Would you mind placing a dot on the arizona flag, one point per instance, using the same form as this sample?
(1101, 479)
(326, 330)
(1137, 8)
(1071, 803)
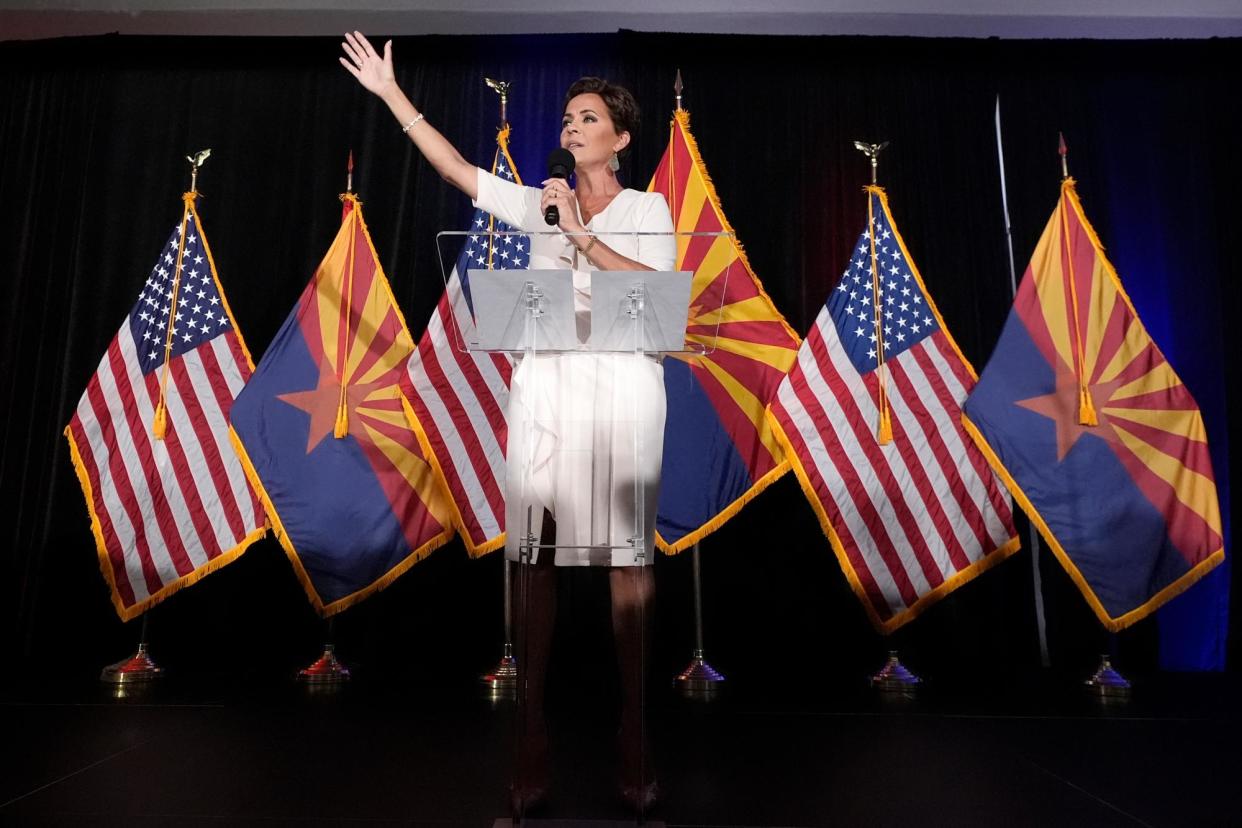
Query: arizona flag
(871, 414)
(323, 435)
(719, 449)
(1094, 433)
(458, 397)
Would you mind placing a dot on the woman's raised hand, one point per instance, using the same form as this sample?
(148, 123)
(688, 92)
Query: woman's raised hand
(372, 71)
(376, 75)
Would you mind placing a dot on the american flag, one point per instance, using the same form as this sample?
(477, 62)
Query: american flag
(459, 398)
(912, 518)
(166, 512)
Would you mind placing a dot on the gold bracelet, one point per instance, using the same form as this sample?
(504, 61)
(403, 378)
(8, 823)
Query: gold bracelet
(406, 129)
(587, 249)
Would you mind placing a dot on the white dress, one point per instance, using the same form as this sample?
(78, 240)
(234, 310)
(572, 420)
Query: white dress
(574, 418)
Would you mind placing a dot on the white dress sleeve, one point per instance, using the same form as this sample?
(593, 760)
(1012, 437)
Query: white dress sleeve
(656, 252)
(512, 203)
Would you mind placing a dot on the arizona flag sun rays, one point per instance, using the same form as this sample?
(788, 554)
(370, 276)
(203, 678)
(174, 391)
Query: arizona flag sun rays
(324, 436)
(719, 449)
(1094, 433)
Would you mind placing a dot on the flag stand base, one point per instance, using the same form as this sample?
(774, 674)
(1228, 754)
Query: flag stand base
(700, 681)
(137, 668)
(894, 678)
(501, 683)
(325, 670)
(1106, 683)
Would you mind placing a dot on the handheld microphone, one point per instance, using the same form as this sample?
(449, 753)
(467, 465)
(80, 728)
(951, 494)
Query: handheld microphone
(560, 165)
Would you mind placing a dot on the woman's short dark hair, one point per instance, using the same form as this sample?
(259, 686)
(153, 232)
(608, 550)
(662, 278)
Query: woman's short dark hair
(622, 107)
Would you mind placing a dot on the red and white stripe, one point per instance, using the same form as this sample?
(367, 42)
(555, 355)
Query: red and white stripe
(459, 398)
(165, 508)
(910, 514)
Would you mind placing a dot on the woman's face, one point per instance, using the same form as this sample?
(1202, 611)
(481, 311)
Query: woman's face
(588, 132)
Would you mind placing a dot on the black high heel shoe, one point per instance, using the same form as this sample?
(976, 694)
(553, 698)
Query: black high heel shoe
(529, 790)
(525, 799)
(636, 783)
(640, 798)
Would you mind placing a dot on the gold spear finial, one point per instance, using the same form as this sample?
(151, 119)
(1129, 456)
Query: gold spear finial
(196, 160)
(1063, 151)
(677, 87)
(349, 173)
(502, 89)
(872, 151)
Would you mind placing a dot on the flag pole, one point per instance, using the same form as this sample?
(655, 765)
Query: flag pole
(1037, 585)
(159, 425)
(140, 667)
(340, 429)
(1106, 684)
(1087, 415)
(884, 424)
(129, 674)
(500, 683)
(673, 206)
(699, 681)
(893, 678)
(327, 673)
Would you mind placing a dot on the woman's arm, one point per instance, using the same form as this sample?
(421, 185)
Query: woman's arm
(376, 75)
(603, 256)
(557, 191)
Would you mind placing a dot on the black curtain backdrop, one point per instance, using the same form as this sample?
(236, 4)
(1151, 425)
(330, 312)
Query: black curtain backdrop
(93, 135)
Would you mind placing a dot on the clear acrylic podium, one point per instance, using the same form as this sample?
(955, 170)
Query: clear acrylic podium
(587, 404)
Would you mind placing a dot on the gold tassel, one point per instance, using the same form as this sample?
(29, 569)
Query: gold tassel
(342, 421)
(884, 435)
(160, 426)
(1086, 409)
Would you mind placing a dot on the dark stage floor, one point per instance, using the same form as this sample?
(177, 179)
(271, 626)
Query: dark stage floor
(384, 753)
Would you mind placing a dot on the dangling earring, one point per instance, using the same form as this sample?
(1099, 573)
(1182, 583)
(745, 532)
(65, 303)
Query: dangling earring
(614, 163)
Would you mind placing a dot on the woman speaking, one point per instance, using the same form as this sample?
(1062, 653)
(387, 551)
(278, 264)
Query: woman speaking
(587, 408)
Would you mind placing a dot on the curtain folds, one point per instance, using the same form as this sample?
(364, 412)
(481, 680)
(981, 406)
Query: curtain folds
(93, 138)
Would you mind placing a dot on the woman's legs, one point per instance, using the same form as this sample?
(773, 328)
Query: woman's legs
(633, 599)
